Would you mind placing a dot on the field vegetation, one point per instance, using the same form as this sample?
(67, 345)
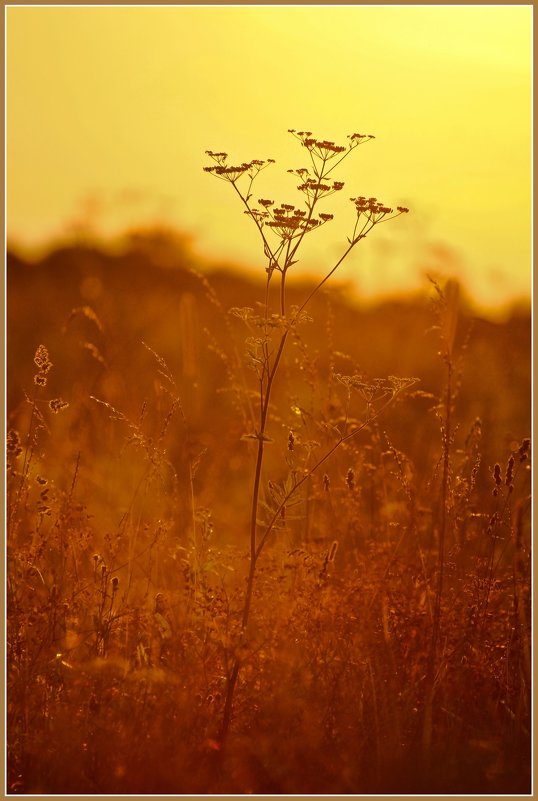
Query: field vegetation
(261, 538)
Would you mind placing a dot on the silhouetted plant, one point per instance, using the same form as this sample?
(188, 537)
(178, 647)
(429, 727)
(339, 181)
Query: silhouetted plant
(282, 229)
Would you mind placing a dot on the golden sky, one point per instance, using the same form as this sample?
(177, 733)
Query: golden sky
(110, 111)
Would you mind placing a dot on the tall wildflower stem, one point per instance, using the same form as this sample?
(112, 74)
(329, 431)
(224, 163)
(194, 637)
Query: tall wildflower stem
(254, 553)
(259, 462)
(290, 224)
(448, 310)
(432, 667)
(329, 274)
(447, 434)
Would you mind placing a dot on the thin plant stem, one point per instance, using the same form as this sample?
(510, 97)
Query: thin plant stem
(291, 238)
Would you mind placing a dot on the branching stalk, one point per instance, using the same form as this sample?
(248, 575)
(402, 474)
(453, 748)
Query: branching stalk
(290, 225)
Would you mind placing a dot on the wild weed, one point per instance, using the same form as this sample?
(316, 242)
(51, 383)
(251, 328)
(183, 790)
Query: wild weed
(282, 230)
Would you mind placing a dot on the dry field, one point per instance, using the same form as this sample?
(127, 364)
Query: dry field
(128, 550)
(386, 645)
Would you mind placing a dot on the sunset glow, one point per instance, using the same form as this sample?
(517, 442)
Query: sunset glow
(110, 110)
(268, 401)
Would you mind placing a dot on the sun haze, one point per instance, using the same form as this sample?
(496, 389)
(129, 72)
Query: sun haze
(110, 110)
(268, 470)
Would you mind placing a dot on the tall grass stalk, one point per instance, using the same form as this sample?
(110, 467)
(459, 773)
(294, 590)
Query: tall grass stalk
(447, 310)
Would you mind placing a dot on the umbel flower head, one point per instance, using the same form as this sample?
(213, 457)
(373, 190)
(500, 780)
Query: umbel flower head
(313, 188)
(232, 173)
(288, 222)
(372, 211)
(325, 150)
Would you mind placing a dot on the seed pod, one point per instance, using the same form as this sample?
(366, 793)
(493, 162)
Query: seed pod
(524, 450)
(332, 551)
(509, 471)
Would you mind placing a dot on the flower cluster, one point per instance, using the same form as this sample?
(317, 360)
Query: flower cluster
(324, 149)
(357, 138)
(289, 222)
(13, 443)
(41, 360)
(297, 317)
(57, 404)
(378, 388)
(316, 189)
(286, 220)
(373, 210)
(232, 173)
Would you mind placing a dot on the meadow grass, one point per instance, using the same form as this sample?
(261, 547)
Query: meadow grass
(269, 565)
